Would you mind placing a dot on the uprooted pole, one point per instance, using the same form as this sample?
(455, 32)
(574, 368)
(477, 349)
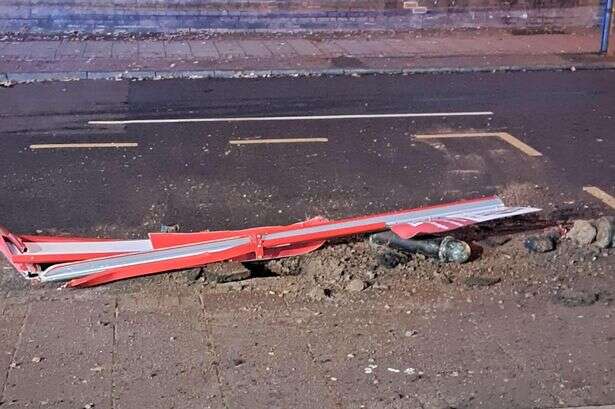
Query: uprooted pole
(446, 249)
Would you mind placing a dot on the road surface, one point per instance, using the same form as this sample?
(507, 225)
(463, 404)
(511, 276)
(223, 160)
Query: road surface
(191, 172)
(538, 334)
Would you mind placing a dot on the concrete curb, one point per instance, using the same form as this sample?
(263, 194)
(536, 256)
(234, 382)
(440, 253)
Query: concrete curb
(21, 77)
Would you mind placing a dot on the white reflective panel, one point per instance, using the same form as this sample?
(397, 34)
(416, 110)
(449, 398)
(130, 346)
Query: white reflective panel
(82, 268)
(411, 216)
(81, 247)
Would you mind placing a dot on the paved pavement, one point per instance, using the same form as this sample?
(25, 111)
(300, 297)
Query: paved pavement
(236, 55)
(172, 345)
(164, 342)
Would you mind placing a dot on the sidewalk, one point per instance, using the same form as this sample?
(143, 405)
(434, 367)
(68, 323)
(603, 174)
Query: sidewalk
(542, 337)
(231, 55)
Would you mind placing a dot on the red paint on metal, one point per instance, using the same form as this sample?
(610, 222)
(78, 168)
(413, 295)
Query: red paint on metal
(347, 231)
(34, 258)
(163, 240)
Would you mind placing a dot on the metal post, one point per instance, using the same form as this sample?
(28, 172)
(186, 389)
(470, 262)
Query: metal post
(606, 26)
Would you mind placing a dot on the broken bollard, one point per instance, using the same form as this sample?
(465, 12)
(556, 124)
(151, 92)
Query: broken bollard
(447, 249)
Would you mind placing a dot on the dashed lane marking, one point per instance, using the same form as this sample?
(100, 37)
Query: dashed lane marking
(290, 118)
(601, 195)
(280, 140)
(84, 145)
(505, 136)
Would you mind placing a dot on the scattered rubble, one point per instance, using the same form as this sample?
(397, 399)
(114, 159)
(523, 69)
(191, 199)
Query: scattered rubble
(390, 259)
(284, 266)
(226, 272)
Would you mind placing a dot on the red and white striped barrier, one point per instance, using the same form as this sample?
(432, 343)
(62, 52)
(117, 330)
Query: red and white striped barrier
(89, 262)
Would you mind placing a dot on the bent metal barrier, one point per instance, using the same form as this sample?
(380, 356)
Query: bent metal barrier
(87, 261)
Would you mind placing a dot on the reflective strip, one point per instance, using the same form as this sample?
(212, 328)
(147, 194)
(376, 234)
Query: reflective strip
(80, 269)
(411, 216)
(83, 247)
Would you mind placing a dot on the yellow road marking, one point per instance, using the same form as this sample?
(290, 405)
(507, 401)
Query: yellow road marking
(281, 140)
(505, 136)
(600, 194)
(84, 145)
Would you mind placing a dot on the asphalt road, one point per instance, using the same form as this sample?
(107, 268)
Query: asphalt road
(189, 172)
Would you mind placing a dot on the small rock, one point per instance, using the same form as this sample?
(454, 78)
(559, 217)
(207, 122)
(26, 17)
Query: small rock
(356, 285)
(582, 233)
(413, 374)
(539, 244)
(89, 406)
(388, 259)
(572, 298)
(481, 281)
(174, 228)
(380, 286)
(194, 274)
(371, 275)
(319, 293)
(605, 230)
(411, 333)
(37, 359)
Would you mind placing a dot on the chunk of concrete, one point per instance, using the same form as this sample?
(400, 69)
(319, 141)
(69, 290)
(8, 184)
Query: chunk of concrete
(356, 285)
(582, 233)
(605, 231)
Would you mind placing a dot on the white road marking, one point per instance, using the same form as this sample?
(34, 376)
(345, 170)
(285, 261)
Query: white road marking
(280, 140)
(505, 136)
(600, 194)
(288, 118)
(84, 145)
